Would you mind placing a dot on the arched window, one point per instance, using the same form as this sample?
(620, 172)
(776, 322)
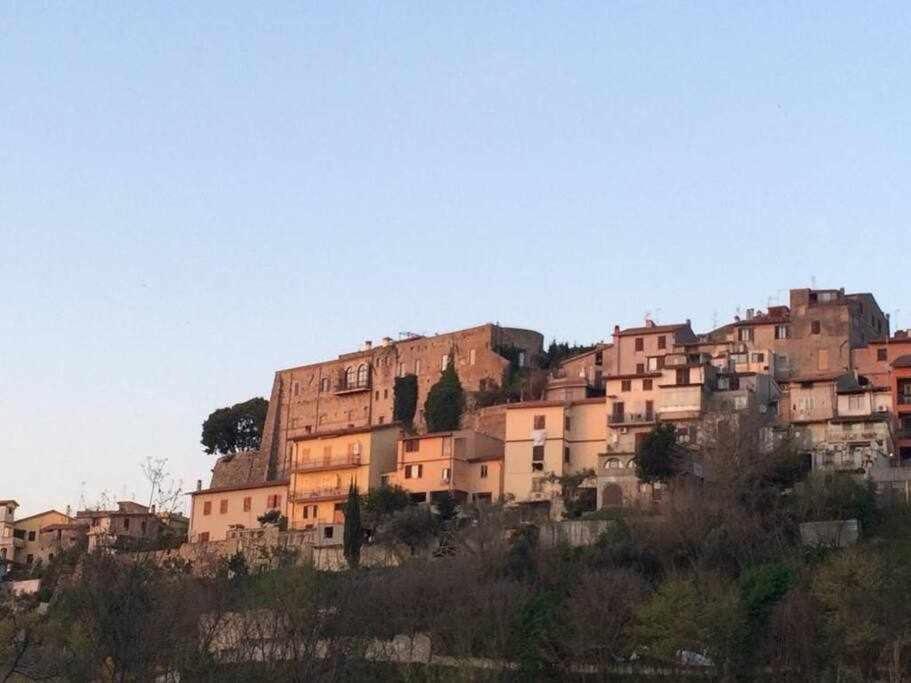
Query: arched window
(324, 384)
(612, 464)
(631, 463)
(362, 375)
(351, 377)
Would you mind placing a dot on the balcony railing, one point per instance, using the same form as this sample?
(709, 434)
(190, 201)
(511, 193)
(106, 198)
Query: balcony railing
(306, 464)
(344, 387)
(630, 418)
(326, 493)
(904, 399)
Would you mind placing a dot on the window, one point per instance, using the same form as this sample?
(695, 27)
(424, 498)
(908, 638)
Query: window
(385, 393)
(882, 355)
(376, 395)
(522, 359)
(324, 384)
(31, 535)
(126, 523)
(599, 357)
(223, 506)
(567, 423)
(206, 510)
(782, 332)
(537, 453)
(328, 532)
(649, 410)
(640, 344)
(29, 558)
(483, 471)
(143, 526)
(822, 359)
(540, 421)
(640, 368)
(612, 464)
(362, 374)
(815, 327)
(444, 362)
(683, 376)
(274, 501)
(647, 385)
(566, 454)
(617, 411)
(758, 358)
(447, 474)
(662, 342)
(472, 356)
(248, 503)
(350, 376)
(412, 445)
(855, 402)
(745, 334)
(417, 367)
(626, 385)
(414, 471)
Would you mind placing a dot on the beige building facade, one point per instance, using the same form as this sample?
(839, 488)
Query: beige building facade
(324, 466)
(465, 464)
(215, 512)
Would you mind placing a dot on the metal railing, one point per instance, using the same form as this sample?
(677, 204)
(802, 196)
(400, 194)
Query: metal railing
(629, 418)
(316, 494)
(305, 464)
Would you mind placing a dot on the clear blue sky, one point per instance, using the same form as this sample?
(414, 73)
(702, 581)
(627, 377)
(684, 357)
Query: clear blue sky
(193, 195)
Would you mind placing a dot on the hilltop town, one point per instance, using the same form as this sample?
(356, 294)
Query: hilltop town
(825, 372)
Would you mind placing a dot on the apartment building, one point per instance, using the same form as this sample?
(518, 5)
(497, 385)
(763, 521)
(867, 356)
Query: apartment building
(61, 537)
(324, 465)
(131, 525)
(886, 363)
(814, 335)
(10, 542)
(465, 464)
(547, 439)
(214, 512)
(29, 529)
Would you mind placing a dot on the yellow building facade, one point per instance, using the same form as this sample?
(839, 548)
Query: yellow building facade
(323, 466)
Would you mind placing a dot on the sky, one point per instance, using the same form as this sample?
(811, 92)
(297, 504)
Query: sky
(194, 195)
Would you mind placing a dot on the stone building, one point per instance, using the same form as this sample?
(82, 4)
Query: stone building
(356, 389)
(814, 336)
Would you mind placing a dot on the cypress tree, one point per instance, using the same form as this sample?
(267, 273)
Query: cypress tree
(445, 402)
(354, 532)
(405, 399)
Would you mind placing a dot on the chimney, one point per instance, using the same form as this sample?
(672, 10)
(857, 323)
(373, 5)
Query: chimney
(387, 341)
(750, 314)
(616, 330)
(736, 318)
(649, 322)
(689, 323)
(368, 345)
(199, 484)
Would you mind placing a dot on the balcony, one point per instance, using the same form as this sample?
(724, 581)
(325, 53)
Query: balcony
(621, 419)
(315, 495)
(327, 463)
(344, 387)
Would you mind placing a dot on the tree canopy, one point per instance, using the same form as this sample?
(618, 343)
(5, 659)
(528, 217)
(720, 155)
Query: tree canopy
(445, 402)
(235, 429)
(405, 398)
(354, 531)
(656, 458)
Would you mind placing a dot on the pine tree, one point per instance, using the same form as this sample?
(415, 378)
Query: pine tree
(354, 532)
(445, 402)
